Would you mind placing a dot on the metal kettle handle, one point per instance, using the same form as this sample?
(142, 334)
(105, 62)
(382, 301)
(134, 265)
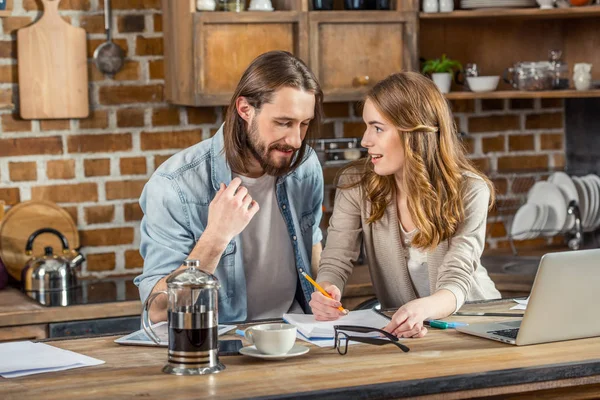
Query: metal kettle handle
(63, 239)
(146, 323)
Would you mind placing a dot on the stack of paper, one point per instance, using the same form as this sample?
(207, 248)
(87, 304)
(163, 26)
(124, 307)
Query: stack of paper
(28, 358)
(312, 329)
(521, 304)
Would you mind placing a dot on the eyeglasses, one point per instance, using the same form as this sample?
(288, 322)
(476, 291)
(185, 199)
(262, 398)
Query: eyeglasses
(342, 338)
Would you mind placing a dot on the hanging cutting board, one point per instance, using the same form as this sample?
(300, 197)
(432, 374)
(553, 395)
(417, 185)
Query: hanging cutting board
(24, 219)
(53, 74)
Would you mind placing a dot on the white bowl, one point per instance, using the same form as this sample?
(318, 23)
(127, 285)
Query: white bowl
(483, 83)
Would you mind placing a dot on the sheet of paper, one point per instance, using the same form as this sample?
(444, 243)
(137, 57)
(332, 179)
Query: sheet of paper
(312, 328)
(521, 304)
(27, 358)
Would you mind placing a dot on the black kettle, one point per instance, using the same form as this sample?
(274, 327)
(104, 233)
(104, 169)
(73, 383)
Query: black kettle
(51, 278)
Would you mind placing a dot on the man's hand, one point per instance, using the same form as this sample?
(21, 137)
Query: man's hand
(230, 211)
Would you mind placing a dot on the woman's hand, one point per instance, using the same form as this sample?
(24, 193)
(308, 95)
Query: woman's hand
(407, 322)
(323, 308)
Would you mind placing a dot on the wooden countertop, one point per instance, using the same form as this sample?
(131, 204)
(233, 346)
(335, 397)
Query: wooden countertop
(16, 309)
(444, 361)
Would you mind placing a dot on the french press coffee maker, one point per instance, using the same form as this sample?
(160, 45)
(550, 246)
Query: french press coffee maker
(192, 321)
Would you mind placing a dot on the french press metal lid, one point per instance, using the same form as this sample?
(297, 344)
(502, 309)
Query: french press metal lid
(193, 321)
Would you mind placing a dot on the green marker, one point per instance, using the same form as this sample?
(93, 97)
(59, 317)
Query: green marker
(443, 325)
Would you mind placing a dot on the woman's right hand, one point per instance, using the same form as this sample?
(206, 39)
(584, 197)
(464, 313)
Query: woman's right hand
(323, 308)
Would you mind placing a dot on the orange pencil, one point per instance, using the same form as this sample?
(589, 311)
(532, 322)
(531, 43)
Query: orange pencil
(320, 289)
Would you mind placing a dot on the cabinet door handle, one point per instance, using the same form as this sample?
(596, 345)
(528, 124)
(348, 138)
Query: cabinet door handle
(362, 80)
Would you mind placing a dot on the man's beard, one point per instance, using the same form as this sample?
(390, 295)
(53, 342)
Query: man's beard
(262, 153)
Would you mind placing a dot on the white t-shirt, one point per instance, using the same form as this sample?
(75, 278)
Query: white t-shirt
(416, 262)
(271, 275)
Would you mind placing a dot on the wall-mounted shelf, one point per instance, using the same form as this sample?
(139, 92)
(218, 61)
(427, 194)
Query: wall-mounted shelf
(521, 13)
(519, 94)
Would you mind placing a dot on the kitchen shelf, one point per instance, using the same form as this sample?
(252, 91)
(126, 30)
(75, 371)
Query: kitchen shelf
(523, 13)
(518, 94)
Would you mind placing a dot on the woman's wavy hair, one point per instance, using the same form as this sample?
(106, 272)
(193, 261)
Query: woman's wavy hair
(268, 73)
(434, 159)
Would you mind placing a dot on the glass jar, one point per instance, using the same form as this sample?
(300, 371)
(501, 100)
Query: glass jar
(232, 5)
(529, 76)
(559, 70)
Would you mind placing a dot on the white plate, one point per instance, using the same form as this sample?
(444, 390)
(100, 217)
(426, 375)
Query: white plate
(567, 187)
(584, 200)
(596, 179)
(548, 193)
(592, 205)
(524, 221)
(542, 221)
(296, 351)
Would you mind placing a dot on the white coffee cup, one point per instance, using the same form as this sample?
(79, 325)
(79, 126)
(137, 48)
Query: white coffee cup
(272, 339)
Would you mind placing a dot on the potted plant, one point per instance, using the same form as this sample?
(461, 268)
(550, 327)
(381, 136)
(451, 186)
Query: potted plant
(441, 71)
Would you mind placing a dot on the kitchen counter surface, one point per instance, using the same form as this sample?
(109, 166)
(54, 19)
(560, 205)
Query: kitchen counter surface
(443, 364)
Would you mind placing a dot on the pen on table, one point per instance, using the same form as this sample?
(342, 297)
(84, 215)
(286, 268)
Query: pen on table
(443, 324)
(320, 289)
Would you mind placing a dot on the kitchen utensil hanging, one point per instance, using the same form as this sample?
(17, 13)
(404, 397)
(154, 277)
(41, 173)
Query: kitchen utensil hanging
(109, 57)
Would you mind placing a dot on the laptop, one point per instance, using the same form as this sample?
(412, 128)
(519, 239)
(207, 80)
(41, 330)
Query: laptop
(563, 305)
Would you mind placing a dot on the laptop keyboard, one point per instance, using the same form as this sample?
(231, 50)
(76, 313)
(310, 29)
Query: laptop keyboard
(509, 333)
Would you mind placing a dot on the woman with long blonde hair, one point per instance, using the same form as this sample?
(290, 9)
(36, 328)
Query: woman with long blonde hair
(417, 206)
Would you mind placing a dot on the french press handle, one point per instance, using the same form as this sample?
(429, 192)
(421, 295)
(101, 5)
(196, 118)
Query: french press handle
(146, 323)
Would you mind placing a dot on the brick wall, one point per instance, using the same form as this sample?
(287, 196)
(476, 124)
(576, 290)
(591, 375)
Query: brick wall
(96, 167)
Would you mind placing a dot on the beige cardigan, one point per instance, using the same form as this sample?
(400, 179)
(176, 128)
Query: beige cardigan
(453, 265)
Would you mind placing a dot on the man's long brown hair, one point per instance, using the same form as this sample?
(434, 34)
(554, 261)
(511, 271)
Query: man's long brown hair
(434, 159)
(268, 73)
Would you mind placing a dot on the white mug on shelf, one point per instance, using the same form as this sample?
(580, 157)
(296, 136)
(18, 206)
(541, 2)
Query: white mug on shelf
(446, 5)
(206, 5)
(582, 76)
(430, 6)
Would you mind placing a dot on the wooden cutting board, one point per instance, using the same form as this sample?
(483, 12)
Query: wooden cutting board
(53, 74)
(24, 219)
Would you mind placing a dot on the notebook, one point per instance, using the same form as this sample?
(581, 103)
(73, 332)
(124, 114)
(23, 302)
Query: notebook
(322, 330)
(161, 329)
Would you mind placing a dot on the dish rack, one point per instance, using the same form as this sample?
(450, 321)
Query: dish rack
(520, 182)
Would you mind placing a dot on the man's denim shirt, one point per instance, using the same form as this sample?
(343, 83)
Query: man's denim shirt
(175, 204)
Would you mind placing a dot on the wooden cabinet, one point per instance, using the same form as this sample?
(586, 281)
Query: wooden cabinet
(350, 51)
(206, 52)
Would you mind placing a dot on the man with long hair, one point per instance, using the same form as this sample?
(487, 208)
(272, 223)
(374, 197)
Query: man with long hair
(245, 203)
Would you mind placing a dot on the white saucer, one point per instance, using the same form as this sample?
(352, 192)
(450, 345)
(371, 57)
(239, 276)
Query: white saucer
(295, 351)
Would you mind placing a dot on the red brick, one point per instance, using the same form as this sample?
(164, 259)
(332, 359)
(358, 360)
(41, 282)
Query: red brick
(130, 117)
(10, 196)
(482, 164)
(124, 189)
(13, 123)
(55, 124)
(99, 143)
(496, 229)
(8, 49)
(29, 146)
(506, 206)
(494, 123)
(133, 4)
(157, 69)
(521, 142)
(96, 167)
(559, 160)
(522, 184)
(72, 210)
(131, 23)
(462, 106)
(552, 103)
(11, 24)
(106, 237)
(6, 96)
(492, 104)
(354, 129)
(117, 95)
(201, 115)
(149, 46)
(82, 5)
(98, 119)
(521, 104)
(500, 185)
(92, 23)
(22, 171)
(357, 108)
(129, 72)
(158, 25)
(99, 214)
(165, 116)
(468, 144)
(92, 45)
(335, 110)
(76, 193)
(170, 140)
(60, 169)
(133, 259)
(133, 166)
(132, 212)
(527, 243)
(492, 144)
(101, 262)
(159, 159)
(327, 131)
(533, 162)
(551, 141)
(544, 121)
